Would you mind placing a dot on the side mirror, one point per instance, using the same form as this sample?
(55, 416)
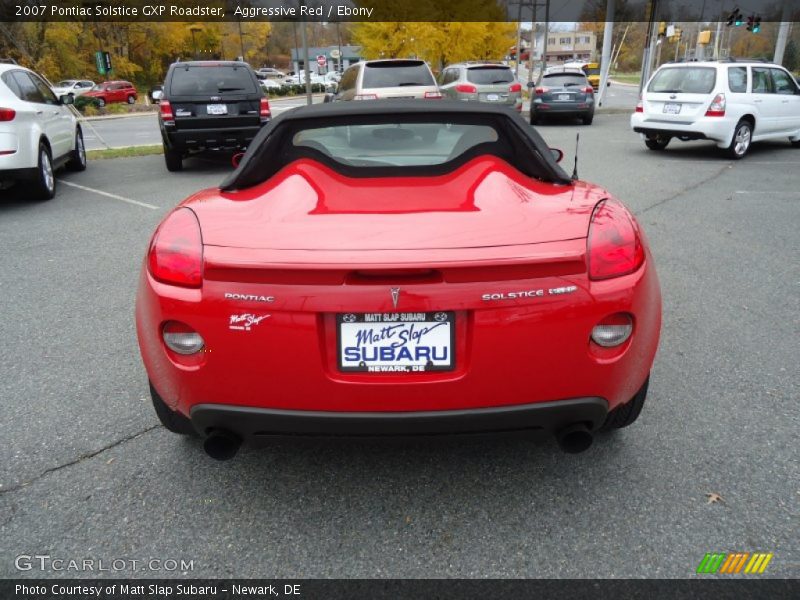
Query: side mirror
(329, 97)
(557, 154)
(66, 99)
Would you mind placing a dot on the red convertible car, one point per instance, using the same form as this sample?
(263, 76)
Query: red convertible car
(353, 277)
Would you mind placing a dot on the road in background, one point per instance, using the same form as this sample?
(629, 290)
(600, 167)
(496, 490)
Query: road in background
(87, 471)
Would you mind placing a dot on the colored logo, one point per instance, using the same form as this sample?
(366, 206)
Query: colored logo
(734, 562)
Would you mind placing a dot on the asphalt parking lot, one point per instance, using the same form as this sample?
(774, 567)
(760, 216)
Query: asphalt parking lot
(87, 471)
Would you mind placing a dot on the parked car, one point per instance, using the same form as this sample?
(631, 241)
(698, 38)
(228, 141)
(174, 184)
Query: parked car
(113, 91)
(562, 92)
(357, 280)
(481, 82)
(38, 132)
(209, 105)
(389, 78)
(269, 73)
(156, 93)
(72, 87)
(729, 102)
(270, 84)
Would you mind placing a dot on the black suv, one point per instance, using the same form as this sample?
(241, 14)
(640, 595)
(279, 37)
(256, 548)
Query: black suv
(209, 105)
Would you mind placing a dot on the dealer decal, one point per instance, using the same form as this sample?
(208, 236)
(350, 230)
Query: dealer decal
(245, 321)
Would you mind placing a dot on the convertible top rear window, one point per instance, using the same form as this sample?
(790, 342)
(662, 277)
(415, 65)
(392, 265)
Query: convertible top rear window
(395, 139)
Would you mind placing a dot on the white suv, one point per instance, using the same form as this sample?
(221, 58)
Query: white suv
(732, 103)
(38, 132)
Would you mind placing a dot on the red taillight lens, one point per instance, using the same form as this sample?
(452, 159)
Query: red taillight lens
(717, 106)
(515, 87)
(639, 106)
(166, 110)
(7, 114)
(588, 89)
(541, 90)
(433, 95)
(176, 252)
(614, 247)
(263, 108)
(466, 88)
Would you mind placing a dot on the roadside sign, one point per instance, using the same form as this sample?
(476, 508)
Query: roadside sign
(102, 61)
(321, 60)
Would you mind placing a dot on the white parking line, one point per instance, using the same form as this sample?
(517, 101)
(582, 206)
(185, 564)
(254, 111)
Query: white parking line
(794, 192)
(108, 195)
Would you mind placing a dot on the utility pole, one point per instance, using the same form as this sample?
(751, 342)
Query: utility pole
(783, 35)
(605, 57)
(652, 34)
(546, 34)
(241, 38)
(519, 40)
(306, 60)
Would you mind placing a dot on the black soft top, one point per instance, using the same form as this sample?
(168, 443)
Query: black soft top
(519, 144)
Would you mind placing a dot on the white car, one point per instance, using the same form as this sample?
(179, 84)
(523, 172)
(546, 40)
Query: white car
(38, 132)
(732, 103)
(72, 87)
(270, 84)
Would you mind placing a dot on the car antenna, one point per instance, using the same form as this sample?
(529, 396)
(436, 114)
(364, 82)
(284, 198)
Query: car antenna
(575, 168)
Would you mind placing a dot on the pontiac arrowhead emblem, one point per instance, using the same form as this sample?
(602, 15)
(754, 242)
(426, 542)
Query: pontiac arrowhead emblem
(395, 296)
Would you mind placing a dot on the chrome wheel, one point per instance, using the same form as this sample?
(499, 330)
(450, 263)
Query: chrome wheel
(741, 141)
(48, 180)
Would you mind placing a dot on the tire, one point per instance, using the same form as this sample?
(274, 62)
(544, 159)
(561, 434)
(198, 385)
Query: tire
(534, 119)
(795, 143)
(587, 119)
(101, 102)
(740, 143)
(171, 420)
(77, 161)
(131, 100)
(625, 414)
(657, 142)
(173, 160)
(44, 186)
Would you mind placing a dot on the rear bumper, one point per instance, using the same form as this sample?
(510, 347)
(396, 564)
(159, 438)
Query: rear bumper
(253, 423)
(716, 129)
(185, 140)
(562, 108)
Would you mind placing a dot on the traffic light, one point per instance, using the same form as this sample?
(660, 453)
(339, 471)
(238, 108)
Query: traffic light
(735, 18)
(754, 23)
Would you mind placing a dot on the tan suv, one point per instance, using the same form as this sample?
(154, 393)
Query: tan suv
(391, 78)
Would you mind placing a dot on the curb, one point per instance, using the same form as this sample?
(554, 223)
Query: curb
(615, 82)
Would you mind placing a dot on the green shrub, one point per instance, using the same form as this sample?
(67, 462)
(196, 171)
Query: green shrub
(83, 102)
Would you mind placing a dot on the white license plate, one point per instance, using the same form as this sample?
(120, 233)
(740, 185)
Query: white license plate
(672, 108)
(492, 97)
(396, 342)
(217, 109)
(564, 97)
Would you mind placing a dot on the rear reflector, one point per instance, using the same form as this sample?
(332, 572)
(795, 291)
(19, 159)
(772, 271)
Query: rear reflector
(7, 114)
(614, 247)
(466, 88)
(166, 110)
(181, 338)
(176, 252)
(613, 330)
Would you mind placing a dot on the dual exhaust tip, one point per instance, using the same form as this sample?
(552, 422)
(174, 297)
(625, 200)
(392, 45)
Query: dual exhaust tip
(222, 444)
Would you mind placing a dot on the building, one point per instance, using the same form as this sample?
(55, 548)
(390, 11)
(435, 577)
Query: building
(349, 55)
(563, 46)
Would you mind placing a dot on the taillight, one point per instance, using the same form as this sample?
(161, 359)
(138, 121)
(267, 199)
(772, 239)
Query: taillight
(466, 88)
(433, 95)
(613, 330)
(639, 105)
(613, 247)
(365, 97)
(7, 114)
(166, 111)
(263, 108)
(588, 89)
(515, 87)
(541, 90)
(717, 106)
(176, 252)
